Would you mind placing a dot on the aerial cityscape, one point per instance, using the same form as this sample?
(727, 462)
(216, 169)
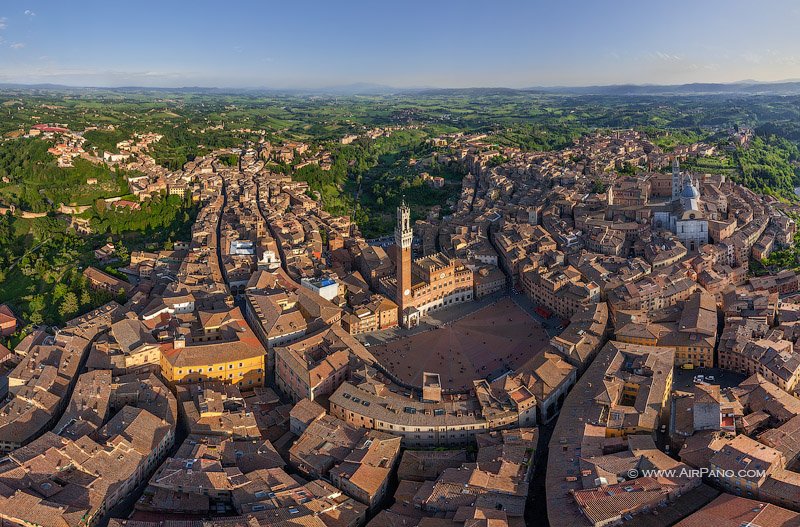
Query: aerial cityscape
(381, 266)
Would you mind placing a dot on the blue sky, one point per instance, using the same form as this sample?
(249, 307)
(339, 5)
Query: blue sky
(284, 44)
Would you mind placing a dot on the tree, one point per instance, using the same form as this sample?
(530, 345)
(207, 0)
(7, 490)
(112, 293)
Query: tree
(35, 309)
(6, 230)
(69, 306)
(60, 290)
(122, 252)
(46, 227)
(598, 187)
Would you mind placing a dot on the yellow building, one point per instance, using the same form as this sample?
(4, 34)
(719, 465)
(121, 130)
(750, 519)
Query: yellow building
(690, 328)
(636, 383)
(217, 346)
(240, 362)
(641, 334)
(699, 355)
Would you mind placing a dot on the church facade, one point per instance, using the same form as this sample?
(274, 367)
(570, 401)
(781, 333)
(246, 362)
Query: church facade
(685, 215)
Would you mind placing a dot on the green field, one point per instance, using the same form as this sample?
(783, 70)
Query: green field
(36, 183)
(368, 178)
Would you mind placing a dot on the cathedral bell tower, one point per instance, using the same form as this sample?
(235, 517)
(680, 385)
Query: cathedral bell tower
(677, 184)
(402, 239)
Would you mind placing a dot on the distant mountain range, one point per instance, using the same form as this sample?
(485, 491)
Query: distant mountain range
(749, 87)
(789, 87)
(746, 87)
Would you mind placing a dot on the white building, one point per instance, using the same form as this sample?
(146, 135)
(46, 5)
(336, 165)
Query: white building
(242, 248)
(691, 225)
(684, 215)
(269, 261)
(327, 288)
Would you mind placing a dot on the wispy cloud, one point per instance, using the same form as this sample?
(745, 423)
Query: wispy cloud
(770, 57)
(45, 72)
(17, 45)
(752, 58)
(3, 22)
(668, 57)
(29, 13)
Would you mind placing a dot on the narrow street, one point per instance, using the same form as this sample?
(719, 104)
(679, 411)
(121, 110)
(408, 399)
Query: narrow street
(536, 505)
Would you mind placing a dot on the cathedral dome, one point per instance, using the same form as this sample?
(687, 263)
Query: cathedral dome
(690, 191)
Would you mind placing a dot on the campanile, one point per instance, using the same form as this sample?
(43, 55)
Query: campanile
(402, 239)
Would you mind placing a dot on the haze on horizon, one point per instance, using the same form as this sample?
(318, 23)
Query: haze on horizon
(268, 44)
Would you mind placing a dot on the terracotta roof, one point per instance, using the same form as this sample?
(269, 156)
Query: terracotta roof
(735, 511)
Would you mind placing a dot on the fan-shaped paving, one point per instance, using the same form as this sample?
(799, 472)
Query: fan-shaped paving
(488, 341)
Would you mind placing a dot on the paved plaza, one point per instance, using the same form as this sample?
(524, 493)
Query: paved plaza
(486, 342)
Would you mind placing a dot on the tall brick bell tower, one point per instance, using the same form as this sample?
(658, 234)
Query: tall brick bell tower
(402, 239)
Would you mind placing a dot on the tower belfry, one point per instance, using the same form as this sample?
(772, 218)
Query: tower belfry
(403, 235)
(677, 184)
